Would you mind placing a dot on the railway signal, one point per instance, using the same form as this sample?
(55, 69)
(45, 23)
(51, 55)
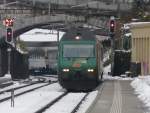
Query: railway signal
(112, 25)
(8, 23)
(9, 35)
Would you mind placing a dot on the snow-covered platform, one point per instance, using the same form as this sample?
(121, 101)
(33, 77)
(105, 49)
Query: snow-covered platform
(5, 79)
(118, 96)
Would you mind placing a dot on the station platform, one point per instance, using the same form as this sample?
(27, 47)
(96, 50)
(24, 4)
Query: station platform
(117, 96)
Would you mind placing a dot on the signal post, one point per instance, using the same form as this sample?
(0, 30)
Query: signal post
(112, 28)
(8, 22)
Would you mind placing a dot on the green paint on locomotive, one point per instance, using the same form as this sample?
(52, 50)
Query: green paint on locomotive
(77, 63)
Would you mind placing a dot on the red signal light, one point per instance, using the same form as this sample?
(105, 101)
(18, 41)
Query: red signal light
(112, 26)
(9, 35)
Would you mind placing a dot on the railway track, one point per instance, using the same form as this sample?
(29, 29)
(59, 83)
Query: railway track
(78, 105)
(61, 98)
(18, 87)
(55, 106)
(51, 99)
(20, 91)
(51, 103)
(3, 85)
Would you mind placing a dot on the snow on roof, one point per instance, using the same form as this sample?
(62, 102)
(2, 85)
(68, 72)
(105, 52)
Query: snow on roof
(126, 26)
(139, 24)
(41, 35)
(128, 34)
(21, 51)
(101, 38)
(135, 24)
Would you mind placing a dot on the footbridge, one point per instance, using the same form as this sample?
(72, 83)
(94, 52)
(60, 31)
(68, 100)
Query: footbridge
(29, 23)
(44, 12)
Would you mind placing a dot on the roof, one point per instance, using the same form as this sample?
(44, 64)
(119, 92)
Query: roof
(41, 35)
(139, 24)
(83, 33)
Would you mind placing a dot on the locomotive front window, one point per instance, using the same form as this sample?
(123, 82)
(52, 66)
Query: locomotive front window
(78, 51)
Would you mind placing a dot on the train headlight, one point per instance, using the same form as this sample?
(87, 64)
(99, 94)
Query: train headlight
(65, 70)
(90, 70)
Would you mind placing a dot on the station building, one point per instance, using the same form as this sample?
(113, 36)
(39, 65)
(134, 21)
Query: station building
(141, 45)
(42, 47)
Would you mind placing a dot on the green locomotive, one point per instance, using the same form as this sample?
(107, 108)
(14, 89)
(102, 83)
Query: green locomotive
(80, 65)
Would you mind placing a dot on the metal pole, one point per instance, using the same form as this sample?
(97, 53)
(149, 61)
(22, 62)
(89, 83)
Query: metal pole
(9, 59)
(12, 98)
(112, 52)
(58, 40)
(57, 49)
(49, 8)
(58, 37)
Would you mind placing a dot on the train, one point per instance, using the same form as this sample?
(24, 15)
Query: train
(80, 60)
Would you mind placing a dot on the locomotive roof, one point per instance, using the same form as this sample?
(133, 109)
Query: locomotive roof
(83, 33)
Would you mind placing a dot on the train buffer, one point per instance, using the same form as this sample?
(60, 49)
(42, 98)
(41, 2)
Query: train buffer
(117, 96)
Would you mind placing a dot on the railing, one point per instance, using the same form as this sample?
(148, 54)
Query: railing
(77, 2)
(99, 4)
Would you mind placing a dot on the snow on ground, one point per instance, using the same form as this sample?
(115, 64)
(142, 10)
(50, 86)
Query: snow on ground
(20, 83)
(87, 103)
(66, 104)
(73, 99)
(142, 89)
(30, 102)
(18, 91)
(106, 56)
(41, 35)
(15, 85)
(106, 75)
(46, 78)
(6, 78)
